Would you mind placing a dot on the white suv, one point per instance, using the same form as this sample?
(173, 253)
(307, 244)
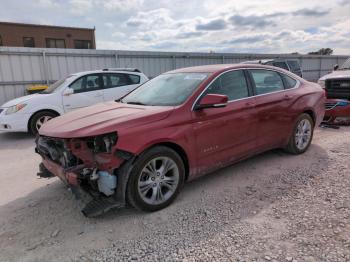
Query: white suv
(28, 113)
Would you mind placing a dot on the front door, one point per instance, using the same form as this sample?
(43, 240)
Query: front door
(88, 90)
(224, 135)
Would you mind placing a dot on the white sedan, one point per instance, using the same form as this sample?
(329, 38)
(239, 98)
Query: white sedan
(29, 113)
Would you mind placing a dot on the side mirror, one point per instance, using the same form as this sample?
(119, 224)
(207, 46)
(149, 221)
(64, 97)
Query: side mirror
(212, 101)
(68, 91)
(335, 67)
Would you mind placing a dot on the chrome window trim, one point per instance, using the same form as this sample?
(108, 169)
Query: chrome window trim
(253, 68)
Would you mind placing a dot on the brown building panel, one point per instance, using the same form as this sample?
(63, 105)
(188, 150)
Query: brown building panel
(19, 35)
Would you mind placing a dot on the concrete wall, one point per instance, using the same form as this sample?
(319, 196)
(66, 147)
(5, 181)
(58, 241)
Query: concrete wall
(20, 67)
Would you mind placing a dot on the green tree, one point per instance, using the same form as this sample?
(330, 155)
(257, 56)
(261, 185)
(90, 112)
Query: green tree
(322, 51)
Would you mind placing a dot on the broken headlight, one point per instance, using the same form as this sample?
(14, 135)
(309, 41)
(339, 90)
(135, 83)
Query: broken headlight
(102, 143)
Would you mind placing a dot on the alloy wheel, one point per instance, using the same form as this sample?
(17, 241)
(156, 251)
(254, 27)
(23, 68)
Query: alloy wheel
(42, 120)
(158, 180)
(303, 134)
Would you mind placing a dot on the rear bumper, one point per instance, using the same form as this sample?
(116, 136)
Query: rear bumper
(16, 122)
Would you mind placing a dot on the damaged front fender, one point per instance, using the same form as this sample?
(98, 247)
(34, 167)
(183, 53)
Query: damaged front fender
(100, 170)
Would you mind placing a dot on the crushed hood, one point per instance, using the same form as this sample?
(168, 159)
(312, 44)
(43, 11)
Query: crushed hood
(102, 118)
(336, 75)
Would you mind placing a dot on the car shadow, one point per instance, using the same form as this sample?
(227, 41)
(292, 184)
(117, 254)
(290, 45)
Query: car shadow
(237, 192)
(17, 139)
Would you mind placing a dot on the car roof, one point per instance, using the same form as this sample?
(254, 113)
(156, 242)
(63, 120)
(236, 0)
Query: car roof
(106, 71)
(262, 61)
(218, 68)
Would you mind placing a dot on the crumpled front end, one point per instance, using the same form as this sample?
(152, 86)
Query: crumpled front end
(337, 112)
(90, 164)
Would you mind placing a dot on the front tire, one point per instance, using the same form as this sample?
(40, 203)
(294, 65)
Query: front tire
(302, 135)
(39, 119)
(156, 179)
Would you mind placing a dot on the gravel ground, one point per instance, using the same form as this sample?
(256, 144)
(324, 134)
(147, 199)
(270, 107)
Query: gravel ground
(273, 207)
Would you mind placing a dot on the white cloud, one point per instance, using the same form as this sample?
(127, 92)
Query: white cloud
(197, 25)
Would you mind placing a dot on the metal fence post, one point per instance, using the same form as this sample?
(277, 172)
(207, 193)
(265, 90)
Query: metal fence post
(174, 62)
(320, 71)
(223, 59)
(116, 60)
(46, 74)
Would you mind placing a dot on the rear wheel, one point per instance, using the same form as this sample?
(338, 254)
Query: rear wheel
(39, 119)
(156, 179)
(302, 135)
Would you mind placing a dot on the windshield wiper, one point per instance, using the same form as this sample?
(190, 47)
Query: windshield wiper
(135, 103)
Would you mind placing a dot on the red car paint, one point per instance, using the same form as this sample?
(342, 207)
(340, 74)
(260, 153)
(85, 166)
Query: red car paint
(208, 138)
(337, 111)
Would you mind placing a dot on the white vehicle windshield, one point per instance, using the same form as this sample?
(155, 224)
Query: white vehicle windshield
(346, 65)
(55, 86)
(166, 89)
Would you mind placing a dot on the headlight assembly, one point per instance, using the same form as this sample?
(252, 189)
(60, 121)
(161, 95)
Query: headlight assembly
(14, 109)
(103, 143)
(322, 83)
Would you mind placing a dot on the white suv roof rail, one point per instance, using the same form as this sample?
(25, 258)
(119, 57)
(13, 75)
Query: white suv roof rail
(123, 69)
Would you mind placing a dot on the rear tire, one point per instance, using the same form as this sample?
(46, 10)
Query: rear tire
(39, 119)
(156, 179)
(302, 135)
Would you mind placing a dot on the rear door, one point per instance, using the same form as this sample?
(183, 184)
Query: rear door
(118, 85)
(272, 104)
(88, 90)
(225, 134)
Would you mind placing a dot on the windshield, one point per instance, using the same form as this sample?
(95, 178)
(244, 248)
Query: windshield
(346, 64)
(53, 87)
(166, 89)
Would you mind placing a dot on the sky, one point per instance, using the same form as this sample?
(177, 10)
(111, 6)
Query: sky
(251, 26)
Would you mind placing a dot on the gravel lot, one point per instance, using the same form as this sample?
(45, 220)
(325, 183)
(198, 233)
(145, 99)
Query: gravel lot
(273, 207)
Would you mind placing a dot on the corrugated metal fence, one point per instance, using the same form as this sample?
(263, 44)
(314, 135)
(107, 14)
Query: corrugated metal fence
(20, 67)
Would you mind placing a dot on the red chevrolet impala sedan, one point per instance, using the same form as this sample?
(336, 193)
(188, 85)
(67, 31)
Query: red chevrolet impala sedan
(176, 127)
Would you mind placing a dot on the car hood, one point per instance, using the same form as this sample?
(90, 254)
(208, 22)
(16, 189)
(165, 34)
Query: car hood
(21, 99)
(336, 74)
(103, 118)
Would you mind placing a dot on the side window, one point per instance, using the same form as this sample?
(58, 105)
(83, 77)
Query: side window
(28, 42)
(77, 85)
(115, 80)
(289, 82)
(294, 65)
(134, 79)
(266, 81)
(92, 82)
(232, 84)
(87, 83)
(282, 65)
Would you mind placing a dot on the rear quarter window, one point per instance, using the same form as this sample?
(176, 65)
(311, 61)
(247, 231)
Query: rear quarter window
(289, 82)
(134, 79)
(266, 81)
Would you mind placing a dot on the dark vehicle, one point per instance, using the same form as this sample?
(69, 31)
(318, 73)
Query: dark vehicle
(291, 65)
(337, 88)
